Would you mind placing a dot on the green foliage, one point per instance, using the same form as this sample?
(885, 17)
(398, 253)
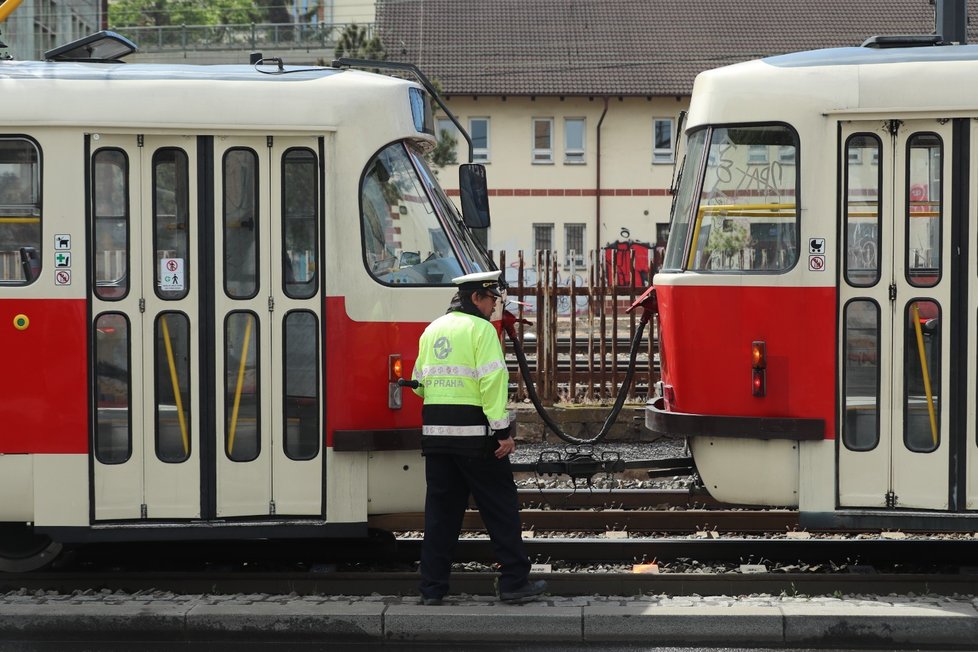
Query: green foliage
(139, 13)
(355, 44)
(444, 152)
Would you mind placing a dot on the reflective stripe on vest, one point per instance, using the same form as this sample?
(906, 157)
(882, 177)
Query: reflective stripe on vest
(454, 431)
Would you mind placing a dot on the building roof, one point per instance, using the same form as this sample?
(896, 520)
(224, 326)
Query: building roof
(622, 47)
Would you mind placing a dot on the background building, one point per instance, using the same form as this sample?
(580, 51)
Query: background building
(37, 26)
(574, 105)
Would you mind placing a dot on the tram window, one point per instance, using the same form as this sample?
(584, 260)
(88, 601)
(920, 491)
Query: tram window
(861, 425)
(403, 241)
(863, 181)
(110, 200)
(922, 376)
(240, 181)
(300, 216)
(301, 384)
(747, 219)
(242, 431)
(924, 209)
(171, 223)
(113, 389)
(20, 211)
(688, 180)
(172, 373)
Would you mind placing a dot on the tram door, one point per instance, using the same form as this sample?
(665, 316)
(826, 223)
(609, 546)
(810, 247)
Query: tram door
(203, 407)
(268, 446)
(895, 280)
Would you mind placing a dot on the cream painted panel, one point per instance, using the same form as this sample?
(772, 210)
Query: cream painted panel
(346, 488)
(16, 487)
(771, 466)
(395, 482)
(816, 486)
(61, 490)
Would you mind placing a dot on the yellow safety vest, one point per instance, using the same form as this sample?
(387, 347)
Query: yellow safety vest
(463, 377)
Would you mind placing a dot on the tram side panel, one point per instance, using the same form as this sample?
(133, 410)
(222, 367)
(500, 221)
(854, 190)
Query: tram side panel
(43, 390)
(712, 371)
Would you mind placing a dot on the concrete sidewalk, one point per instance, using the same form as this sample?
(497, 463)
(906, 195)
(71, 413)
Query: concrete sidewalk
(893, 622)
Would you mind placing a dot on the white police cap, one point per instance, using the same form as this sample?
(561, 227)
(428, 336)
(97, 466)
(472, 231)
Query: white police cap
(479, 281)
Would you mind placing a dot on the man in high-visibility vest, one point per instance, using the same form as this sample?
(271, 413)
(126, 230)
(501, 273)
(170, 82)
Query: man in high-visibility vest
(466, 440)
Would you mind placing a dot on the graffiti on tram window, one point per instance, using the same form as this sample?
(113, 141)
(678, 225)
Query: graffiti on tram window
(747, 217)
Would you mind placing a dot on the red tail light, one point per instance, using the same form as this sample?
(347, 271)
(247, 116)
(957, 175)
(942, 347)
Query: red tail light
(758, 361)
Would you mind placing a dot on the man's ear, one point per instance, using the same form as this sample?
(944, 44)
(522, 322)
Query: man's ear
(474, 297)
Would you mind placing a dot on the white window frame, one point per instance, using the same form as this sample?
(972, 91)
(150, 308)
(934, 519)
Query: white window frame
(549, 226)
(579, 256)
(480, 154)
(542, 155)
(575, 155)
(787, 154)
(664, 154)
(757, 155)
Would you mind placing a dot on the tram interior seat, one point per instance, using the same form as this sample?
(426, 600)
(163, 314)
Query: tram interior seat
(31, 262)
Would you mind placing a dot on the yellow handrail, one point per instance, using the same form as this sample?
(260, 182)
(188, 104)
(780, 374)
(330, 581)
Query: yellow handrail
(738, 210)
(7, 8)
(924, 372)
(176, 385)
(237, 390)
(20, 220)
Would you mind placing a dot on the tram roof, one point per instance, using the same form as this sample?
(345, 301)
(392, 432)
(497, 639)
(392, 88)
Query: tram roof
(295, 98)
(868, 56)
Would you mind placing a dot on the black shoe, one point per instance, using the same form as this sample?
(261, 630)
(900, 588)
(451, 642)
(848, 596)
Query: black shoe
(525, 593)
(431, 602)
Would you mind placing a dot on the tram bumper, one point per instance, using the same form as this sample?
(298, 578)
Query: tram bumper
(679, 425)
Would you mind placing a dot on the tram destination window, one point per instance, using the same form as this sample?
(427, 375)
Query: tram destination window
(746, 219)
(20, 211)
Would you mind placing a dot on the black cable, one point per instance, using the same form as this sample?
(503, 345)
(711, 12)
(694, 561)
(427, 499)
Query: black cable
(619, 401)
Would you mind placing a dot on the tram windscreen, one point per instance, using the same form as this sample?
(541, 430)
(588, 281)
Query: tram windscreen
(746, 218)
(411, 232)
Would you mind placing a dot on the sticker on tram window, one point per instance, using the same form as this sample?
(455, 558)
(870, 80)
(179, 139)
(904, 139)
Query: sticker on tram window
(171, 274)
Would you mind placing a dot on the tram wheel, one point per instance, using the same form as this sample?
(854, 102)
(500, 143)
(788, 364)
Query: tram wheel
(22, 550)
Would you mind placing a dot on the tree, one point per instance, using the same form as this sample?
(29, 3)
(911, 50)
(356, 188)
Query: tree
(355, 44)
(444, 152)
(139, 13)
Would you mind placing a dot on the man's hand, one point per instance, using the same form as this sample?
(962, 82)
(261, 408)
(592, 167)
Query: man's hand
(506, 446)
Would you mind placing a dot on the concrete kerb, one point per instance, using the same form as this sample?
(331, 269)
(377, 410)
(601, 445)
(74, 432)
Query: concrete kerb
(951, 625)
(498, 623)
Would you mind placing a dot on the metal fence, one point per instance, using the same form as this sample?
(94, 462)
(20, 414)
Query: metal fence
(578, 339)
(249, 36)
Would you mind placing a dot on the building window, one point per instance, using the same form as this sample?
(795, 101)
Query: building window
(479, 131)
(543, 140)
(574, 245)
(574, 141)
(757, 155)
(786, 155)
(543, 237)
(445, 128)
(663, 150)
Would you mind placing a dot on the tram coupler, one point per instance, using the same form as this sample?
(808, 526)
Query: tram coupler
(647, 302)
(509, 324)
(580, 463)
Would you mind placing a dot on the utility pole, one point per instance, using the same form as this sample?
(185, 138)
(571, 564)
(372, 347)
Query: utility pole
(951, 20)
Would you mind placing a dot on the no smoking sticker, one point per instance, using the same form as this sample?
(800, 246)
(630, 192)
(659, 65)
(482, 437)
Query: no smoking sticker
(62, 277)
(816, 263)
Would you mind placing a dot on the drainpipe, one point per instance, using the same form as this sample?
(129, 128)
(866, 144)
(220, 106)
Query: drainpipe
(597, 183)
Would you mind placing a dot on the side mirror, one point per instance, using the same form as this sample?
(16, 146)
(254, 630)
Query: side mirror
(475, 195)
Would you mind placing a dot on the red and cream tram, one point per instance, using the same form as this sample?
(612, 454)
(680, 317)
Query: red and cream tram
(818, 298)
(210, 277)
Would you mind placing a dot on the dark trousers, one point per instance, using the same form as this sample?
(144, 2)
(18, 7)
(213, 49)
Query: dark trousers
(451, 478)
